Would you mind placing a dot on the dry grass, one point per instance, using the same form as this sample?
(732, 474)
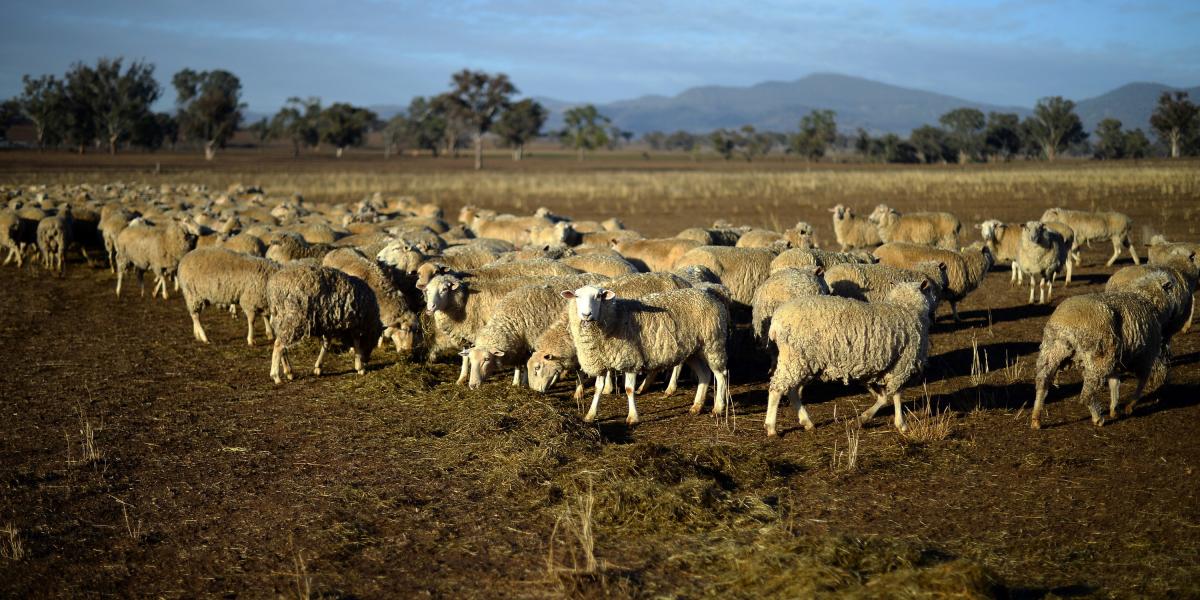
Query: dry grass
(980, 367)
(846, 459)
(579, 559)
(926, 425)
(11, 546)
(89, 451)
(301, 580)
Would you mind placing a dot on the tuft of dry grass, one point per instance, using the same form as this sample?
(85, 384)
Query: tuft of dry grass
(979, 366)
(11, 546)
(846, 459)
(926, 425)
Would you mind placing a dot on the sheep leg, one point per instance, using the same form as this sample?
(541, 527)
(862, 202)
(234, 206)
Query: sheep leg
(197, 328)
(591, 414)
(1013, 276)
(1132, 251)
(1191, 315)
(464, 371)
(1116, 242)
(1114, 395)
(120, 277)
(270, 333)
(899, 420)
(798, 407)
(578, 395)
(320, 357)
(1031, 286)
(1091, 385)
(1070, 270)
(517, 376)
(276, 359)
(722, 391)
(86, 257)
(773, 397)
(954, 311)
(1049, 291)
(8, 259)
(362, 352)
(702, 377)
(1050, 359)
(141, 275)
(250, 316)
(650, 376)
(880, 400)
(674, 383)
(631, 395)
(164, 285)
(609, 387)
(287, 365)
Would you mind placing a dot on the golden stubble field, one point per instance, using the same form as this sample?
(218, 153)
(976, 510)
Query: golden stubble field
(137, 462)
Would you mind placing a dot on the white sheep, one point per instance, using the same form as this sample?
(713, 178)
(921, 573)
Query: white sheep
(1004, 240)
(603, 264)
(939, 229)
(654, 254)
(813, 257)
(1042, 255)
(851, 231)
(399, 319)
(964, 270)
(780, 288)
(143, 247)
(1183, 272)
(112, 222)
(1105, 335)
(53, 237)
(883, 345)
(1096, 226)
(288, 246)
(872, 283)
(653, 332)
(741, 270)
(221, 277)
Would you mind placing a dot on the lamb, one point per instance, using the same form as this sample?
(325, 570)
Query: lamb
(554, 350)
(609, 266)
(812, 257)
(307, 300)
(1106, 334)
(741, 270)
(222, 277)
(851, 231)
(883, 345)
(1004, 240)
(399, 321)
(872, 283)
(288, 246)
(655, 254)
(964, 271)
(1095, 226)
(53, 237)
(1042, 255)
(653, 332)
(1183, 272)
(781, 287)
(159, 249)
(938, 229)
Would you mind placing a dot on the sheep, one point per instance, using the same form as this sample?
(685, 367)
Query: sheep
(506, 227)
(222, 277)
(782, 286)
(290, 246)
(1182, 272)
(399, 321)
(316, 233)
(938, 229)
(715, 236)
(610, 266)
(1004, 240)
(112, 222)
(872, 283)
(1068, 236)
(760, 238)
(1095, 226)
(519, 319)
(143, 247)
(53, 237)
(612, 224)
(654, 332)
(654, 254)
(307, 300)
(1160, 249)
(554, 351)
(609, 238)
(19, 231)
(853, 232)
(1042, 255)
(246, 244)
(1106, 334)
(10, 225)
(964, 271)
(560, 233)
(883, 345)
(812, 257)
(741, 270)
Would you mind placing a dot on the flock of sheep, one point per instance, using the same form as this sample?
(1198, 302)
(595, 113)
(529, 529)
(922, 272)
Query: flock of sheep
(548, 296)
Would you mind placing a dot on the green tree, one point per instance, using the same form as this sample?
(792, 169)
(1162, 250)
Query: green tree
(298, 121)
(680, 140)
(1110, 140)
(10, 110)
(120, 100)
(585, 129)
(426, 124)
(1175, 120)
(395, 135)
(965, 129)
(1002, 135)
(519, 124)
(43, 102)
(655, 139)
(153, 130)
(344, 125)
(724, 142)
(261, 130)
(1137, 145)
(933, 144)
(210, 107)
(1054, 126)
(896, 150)
(818, 130)
(78, 114)
(863, 143)
(477, 99)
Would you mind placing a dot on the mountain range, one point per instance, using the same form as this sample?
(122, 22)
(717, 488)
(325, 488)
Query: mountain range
(872, 105)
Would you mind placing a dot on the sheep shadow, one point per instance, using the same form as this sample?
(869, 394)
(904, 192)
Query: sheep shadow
(995, 356)
(1185, 359)
(1005, 314)
(1075, 590)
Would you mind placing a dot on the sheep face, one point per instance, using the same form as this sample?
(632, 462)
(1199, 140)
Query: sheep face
(840, 212)
(403, 334)
(1035, 231)
(988, 229)
(543, 369)
(440, 293)
(589, 302)
(427, 271)
(483, 363)
(880, 214)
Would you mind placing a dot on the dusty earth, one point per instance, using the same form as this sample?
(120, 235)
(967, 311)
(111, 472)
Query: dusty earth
(137, 462)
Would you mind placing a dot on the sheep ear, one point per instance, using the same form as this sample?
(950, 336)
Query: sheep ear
(1167, 285)
(546, 248)
(820, 271)
(608, 295)
(925, 284)
(455, 285)
(941, 266)
(567, 294)
(497, 353)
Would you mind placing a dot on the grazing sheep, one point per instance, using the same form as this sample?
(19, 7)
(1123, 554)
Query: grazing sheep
(654, 332)
(853, 232)
(1183, 272)
(608, 238)
(1042, 256)
(872, 283)
(307, 300)
(154, 248)
(399, 321)
(813, 257)
(654, 254)
(222, 277)
(741, 270)
(53, 237)
(288, 246)
(609, 266)
(883, 345)
(1095, 226)
(964, 271)
(1004, 240)
(780, 288)
(938, 229)
(760, 238)
(1105, 335)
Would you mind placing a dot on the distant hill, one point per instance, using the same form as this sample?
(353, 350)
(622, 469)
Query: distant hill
(1132, 104)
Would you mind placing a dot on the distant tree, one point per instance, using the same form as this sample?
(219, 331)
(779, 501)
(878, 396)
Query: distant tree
(477, 99)
(933, 144)
(261, 130)
(454, 127)
(655, 139)
(10, 110)
(343, 125)
(818, 130)
(1002, 135)
(680, 140)
(1137, 145)
(298, 122)
(584, 129)
(120, 100)
(210, 107)
(519, 124)
(965, 129)
(896, 150)
(863, 144)
(1054, 126)
(1175, 120)
(43, 102)
(426, 125)
(1110, 140)
(395, 135)
(724, 142)
(78, 114)
(152, 131)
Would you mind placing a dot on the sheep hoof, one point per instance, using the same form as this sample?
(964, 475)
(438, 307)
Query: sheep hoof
(362, 371)
(250, 343)
(695, 410)
(277, 379)
(809, 426)
(631, 420)
(1035, 424)
(589, 418)
(317, 372)
(771, 433)
(1098, 422)
(291, 377)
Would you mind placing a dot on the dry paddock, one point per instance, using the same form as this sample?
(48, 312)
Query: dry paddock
(136, 462)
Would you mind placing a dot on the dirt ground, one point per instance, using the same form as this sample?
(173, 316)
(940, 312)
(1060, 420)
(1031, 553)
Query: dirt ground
(137, 462)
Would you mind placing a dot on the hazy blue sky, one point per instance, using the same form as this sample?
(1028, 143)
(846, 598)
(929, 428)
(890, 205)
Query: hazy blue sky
(386, 51)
